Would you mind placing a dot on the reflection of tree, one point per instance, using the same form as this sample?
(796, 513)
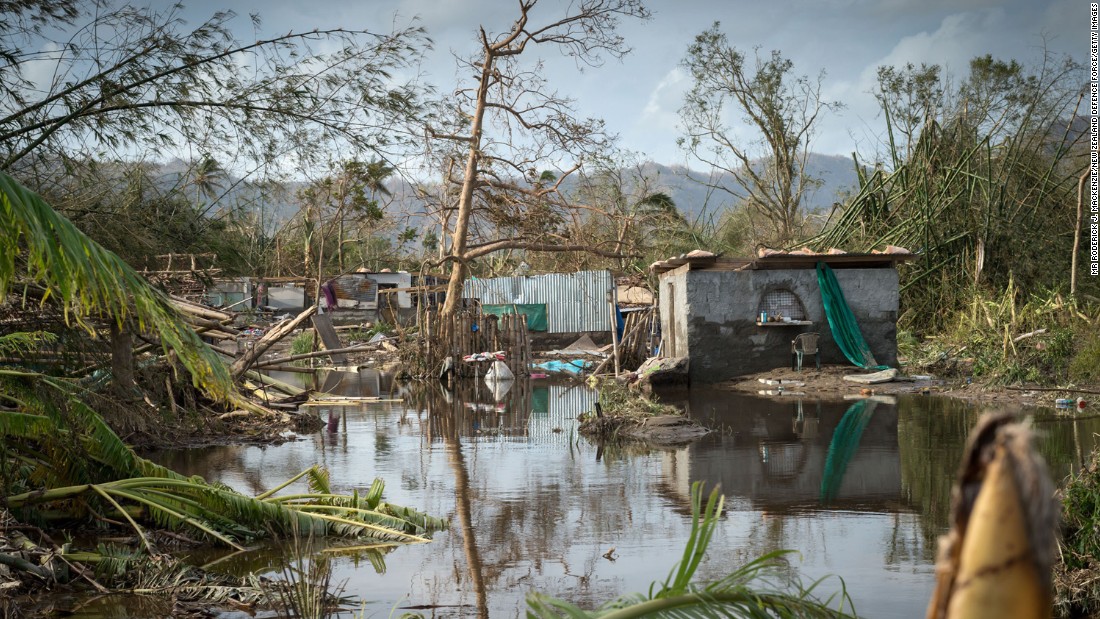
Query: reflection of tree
(526, 533)
(270, 556)
(449, 432)
(931, 437)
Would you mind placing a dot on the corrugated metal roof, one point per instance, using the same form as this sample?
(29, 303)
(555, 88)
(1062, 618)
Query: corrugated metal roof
(575, 302)
(356, 288)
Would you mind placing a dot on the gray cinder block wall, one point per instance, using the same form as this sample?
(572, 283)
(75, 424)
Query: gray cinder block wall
(710, 316)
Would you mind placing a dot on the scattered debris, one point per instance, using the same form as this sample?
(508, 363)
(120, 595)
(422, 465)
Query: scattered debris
(874, 378)
(655, 372)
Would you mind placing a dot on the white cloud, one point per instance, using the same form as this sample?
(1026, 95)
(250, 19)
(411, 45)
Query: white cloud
(40, 70)
(665, 99)
(959, 38)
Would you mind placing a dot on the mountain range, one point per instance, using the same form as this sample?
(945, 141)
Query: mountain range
(695, 200)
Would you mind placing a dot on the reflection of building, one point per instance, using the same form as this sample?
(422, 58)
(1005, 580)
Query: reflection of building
(784, 454)
(536, 411)
(554, 411)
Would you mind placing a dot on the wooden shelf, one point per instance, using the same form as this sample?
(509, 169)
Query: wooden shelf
(793, 323)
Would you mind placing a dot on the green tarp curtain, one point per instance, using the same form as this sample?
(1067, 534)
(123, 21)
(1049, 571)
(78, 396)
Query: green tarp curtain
(535, 312)
(842, 322)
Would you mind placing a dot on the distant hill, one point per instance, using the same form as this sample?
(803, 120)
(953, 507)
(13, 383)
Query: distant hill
(692, 198)
(695, 199)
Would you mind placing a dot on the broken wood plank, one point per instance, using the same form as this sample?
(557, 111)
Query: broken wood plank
(274, 382)
(298, 369)
(322, 323)
(187, 307)
(356, 402)
(266, 363)
(278, 332)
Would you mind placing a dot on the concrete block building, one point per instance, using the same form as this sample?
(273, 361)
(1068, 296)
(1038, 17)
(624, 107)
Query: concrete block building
(711, 309)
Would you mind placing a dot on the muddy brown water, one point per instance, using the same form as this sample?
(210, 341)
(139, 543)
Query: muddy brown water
(860, 494)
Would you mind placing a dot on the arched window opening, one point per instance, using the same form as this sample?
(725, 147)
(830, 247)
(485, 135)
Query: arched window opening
(782, 302)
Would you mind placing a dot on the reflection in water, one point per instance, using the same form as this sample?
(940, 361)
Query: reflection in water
(932, 436)
(844, 445)
(444, 412)
(534, 509)
(777, 457)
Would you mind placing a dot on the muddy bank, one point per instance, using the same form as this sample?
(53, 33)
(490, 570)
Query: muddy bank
(829, 383)
(661, 430)
(626, 412)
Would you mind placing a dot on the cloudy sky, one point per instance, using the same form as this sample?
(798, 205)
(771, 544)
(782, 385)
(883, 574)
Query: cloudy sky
(639, 96)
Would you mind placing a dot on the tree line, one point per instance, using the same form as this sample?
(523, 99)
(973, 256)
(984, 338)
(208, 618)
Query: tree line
(977, 172)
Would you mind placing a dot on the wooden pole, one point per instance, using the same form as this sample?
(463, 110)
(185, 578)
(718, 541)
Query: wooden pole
(614, 330)
(1077, 232)
(311, 355)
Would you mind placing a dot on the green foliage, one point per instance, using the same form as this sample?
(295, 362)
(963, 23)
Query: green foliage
(136, 79)
(307, 591)
(978, 178)
(61, 450)
(1085, 365)
(381, 326)
(302, 343)
(130, 569)
(365, 334)
(780, 109)
(43, 252)
(57, 451)
(1038, 341)
(139, 83)
(617, 399)
(24, 341)
(1081, 518)
(1077, 577)
(753, 590)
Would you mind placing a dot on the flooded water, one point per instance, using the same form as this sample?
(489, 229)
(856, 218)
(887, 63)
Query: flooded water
(860, 491)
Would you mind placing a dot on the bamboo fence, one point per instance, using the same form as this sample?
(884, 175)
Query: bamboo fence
(469, 332)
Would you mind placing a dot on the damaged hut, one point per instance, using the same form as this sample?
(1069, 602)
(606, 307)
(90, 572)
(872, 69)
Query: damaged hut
(736, 316)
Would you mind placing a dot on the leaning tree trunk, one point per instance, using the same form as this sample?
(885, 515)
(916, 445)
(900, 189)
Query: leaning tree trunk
(122, 359)
(466, 198)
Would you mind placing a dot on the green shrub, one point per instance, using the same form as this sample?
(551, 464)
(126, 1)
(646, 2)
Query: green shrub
(302, 343)
(1085, 365)
(983, 340)
(1077, 576)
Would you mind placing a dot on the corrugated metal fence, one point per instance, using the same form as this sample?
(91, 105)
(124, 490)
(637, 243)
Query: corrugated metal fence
(575, 302)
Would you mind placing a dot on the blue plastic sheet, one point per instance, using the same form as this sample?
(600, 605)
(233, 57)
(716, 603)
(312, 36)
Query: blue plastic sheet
(575, 366)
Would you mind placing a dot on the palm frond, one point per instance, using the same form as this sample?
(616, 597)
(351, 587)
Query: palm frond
(89, 281)
(318, 480)
(22, 342)
(139, 572)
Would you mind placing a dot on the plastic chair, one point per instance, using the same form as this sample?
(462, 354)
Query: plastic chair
(804, 344)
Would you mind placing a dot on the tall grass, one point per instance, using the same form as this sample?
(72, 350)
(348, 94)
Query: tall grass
(1009, 338)
(1077, 575)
